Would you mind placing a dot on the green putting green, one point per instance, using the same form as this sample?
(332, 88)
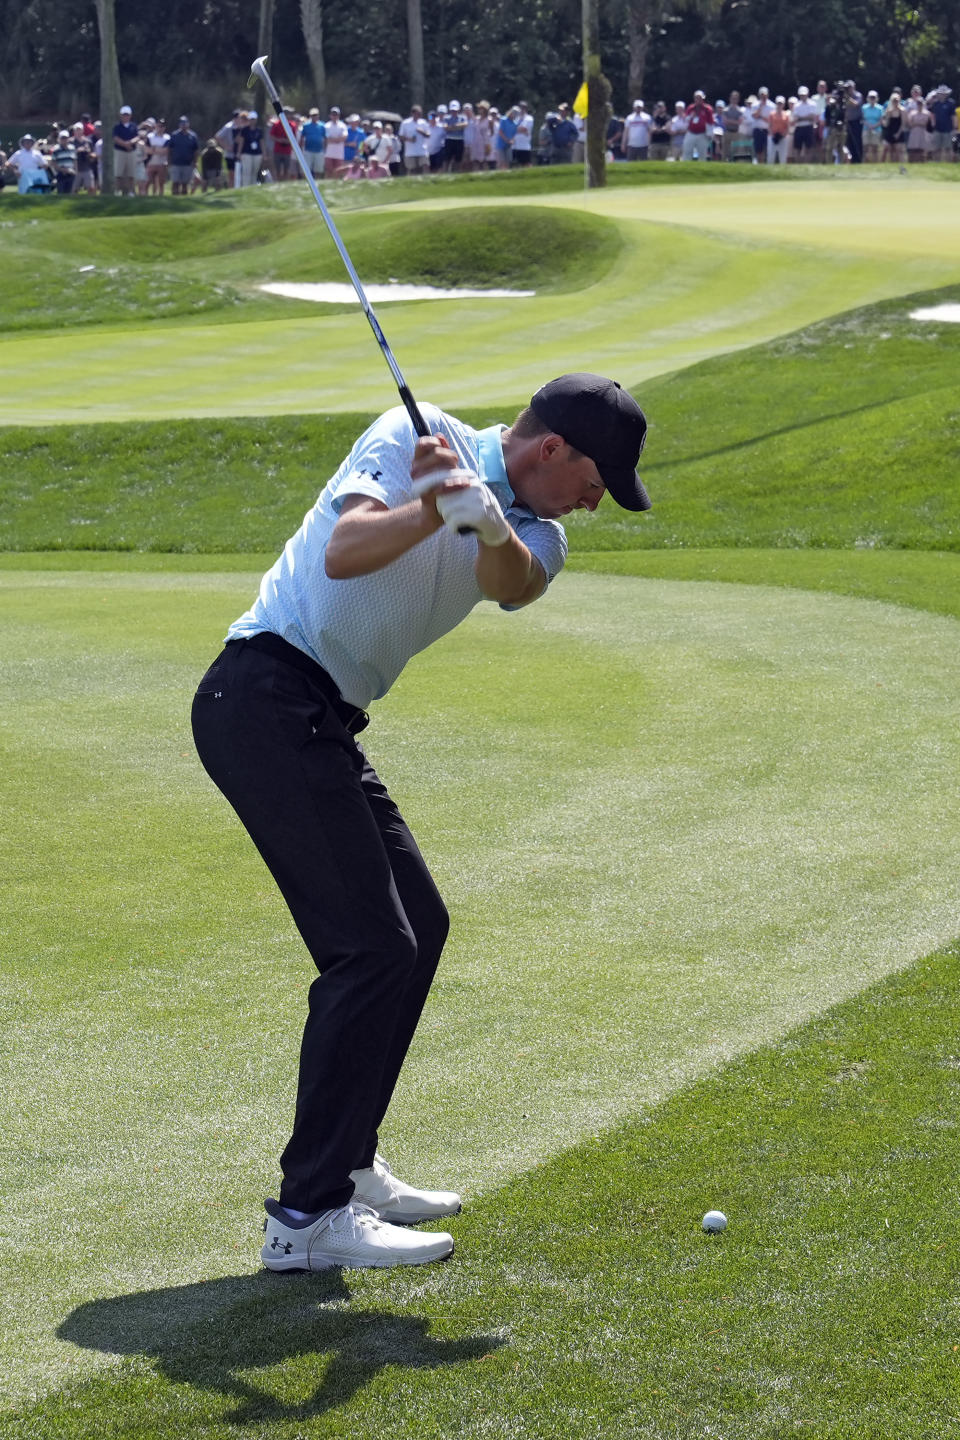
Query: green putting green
(697, 815)
(699, 271)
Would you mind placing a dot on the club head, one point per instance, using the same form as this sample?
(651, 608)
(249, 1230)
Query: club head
(258, 72)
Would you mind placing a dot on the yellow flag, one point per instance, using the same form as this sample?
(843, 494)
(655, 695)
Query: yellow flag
(580, 104)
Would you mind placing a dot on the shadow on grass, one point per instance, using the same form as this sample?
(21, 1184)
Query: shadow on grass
(215, 1334)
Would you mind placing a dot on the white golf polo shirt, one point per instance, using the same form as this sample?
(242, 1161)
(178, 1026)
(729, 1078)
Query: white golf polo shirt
(363, 631)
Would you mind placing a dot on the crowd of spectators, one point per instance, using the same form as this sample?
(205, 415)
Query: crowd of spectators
(829, 125)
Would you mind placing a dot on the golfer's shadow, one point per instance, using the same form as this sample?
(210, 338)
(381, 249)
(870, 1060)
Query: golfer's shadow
(213, 1334)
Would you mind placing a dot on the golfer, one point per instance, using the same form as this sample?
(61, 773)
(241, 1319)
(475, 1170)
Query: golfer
(407, 537)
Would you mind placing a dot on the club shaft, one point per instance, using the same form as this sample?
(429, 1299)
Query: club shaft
(406, 395)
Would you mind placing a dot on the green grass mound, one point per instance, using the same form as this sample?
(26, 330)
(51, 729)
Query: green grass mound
(131, 267)
(844, 434)
(522, 247)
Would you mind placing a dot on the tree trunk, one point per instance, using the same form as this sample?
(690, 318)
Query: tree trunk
(110, 94)
(311, 21)
(415, 48)
(598, 96)
(264, 46)
(640, 15)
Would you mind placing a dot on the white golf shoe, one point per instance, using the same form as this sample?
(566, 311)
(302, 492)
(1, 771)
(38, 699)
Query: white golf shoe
(353, 1236)
(380, 1189)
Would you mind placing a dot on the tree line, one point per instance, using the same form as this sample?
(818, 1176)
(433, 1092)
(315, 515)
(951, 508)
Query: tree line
(391, 53)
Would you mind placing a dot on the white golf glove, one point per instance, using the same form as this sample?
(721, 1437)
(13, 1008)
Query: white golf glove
(475, 510)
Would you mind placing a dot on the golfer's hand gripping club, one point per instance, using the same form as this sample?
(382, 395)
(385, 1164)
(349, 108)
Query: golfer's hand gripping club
(470, 509)
(475, 510)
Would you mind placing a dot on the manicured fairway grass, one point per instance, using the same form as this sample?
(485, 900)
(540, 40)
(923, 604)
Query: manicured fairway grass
(584, 1299)
(709, 789)
(689, 282)
(694, 770)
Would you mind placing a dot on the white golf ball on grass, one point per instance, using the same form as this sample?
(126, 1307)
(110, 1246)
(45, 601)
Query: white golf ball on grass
(714, 1221)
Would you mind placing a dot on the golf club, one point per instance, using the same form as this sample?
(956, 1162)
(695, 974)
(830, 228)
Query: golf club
(258, 71)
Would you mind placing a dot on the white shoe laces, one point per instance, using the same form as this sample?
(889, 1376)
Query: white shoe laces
(355, 1217)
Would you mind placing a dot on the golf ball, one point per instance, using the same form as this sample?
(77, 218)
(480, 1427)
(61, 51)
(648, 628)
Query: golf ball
(714, 1221)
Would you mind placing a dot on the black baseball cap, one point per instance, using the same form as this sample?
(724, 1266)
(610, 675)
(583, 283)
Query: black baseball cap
(604, 422)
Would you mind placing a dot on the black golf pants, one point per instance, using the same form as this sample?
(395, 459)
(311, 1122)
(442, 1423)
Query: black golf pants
(272, 733)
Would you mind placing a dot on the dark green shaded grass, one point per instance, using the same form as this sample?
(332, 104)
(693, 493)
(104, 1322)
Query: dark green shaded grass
(191, 486)
(138, 266)
(584, 1298)
(845, 434)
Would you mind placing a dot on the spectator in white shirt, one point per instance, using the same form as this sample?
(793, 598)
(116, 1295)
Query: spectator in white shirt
(636, 133)
(414, 132)
(678, 129)
(335, 143)
(523, 140)
(805, 118)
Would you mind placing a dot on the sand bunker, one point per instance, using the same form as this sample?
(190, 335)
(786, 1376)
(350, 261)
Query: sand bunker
(331, 294)
(950, 313)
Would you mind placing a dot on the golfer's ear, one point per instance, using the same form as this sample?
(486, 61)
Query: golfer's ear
(549, 445)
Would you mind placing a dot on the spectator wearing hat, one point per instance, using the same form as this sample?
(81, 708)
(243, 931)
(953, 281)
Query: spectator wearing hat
(778, 132)
(523, 139)
(943, 108)
(479, 137)
(564, 136)
(249, 150)
(312, 139)
(872, 131)
(335, 143)
(414, 133)
(158, 157)
(919, 123)
(184, 148)
(28, 164)
(212, 166)
(635, 140)
(678, 129)
(761, 113)
(455, 126)
(699, 131)
(63, 163)
(83, 147)
(125, 139)
(356, 135)
(374, 146)
(805, 120)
